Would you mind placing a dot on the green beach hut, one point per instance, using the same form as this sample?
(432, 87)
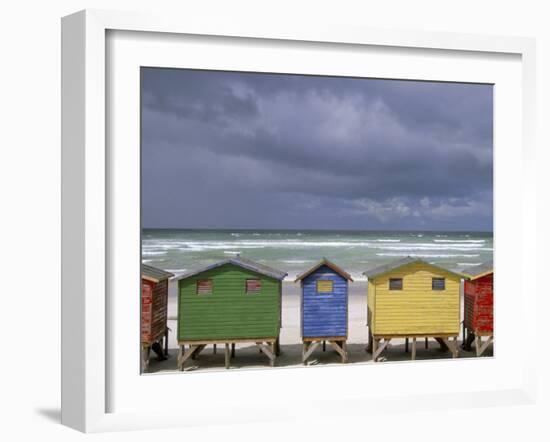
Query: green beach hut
(232, 301)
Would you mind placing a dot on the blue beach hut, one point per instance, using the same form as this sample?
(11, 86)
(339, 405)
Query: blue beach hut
(324, 308)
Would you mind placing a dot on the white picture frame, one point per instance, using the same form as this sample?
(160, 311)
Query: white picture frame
(89, 230)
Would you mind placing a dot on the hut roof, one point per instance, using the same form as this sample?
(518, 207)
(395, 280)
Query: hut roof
(154, 274)
(398, 263)
(480, 270)
(240, 262)
(324, 262)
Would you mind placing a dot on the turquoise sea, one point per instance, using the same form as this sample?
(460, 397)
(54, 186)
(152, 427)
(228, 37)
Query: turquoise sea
(294, 251)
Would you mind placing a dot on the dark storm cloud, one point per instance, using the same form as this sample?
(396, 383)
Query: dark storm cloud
(251, 150)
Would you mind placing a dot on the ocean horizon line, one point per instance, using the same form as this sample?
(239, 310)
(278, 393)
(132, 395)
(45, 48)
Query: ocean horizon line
(225, 229)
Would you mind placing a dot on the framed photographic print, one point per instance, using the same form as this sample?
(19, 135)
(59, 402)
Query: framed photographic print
(259, 183)
(258, 211)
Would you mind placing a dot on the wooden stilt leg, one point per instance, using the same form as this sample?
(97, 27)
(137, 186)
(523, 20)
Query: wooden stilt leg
(455, 346)
(324, 345)
(214, 349)
(380, 349)
(180, 354)
(143, 368)
(368, 349)
(227, 355)
(277, 347)
(269, 350)
(144, 361)
(232, 350)
(274, 351)
(450, 345)
(478, 345)
(311, 346)
(304, 349)
(374, 348)
(340, 349)
(199, 349)
(184, 355)
(426, 343)
(166, 342)
(442, 344)
(485, 345)
(406, 345)
(413, 352)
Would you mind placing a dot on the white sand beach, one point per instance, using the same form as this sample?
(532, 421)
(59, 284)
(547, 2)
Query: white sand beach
(248, 356)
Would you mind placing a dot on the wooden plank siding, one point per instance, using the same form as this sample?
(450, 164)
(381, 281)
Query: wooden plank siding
(154, 305)
(469, 305)
(416, 309)
(324, 313)
(228, 312)
(371, 294)
(478, 304)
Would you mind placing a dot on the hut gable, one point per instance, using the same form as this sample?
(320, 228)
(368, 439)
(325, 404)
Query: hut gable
(154, 274)
(325, 262)
(244, 263)
(324, 301)
(413, 297)
(392, 266)
(479, 271)
(232, 299)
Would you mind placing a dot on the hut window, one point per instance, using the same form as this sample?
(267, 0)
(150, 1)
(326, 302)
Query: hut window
(396, 283)
(253, 285)
(324, 286)
(204, 287)
(438, 283)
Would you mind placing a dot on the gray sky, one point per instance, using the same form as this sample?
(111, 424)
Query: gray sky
(244, 150)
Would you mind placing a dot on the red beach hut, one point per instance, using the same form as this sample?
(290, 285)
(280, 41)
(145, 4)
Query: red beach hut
(478, 307)
(154, 313)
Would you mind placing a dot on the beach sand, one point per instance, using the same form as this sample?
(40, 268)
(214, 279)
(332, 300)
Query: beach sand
(248, 356)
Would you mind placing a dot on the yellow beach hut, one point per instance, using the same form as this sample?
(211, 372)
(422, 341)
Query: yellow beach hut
(411, 298)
